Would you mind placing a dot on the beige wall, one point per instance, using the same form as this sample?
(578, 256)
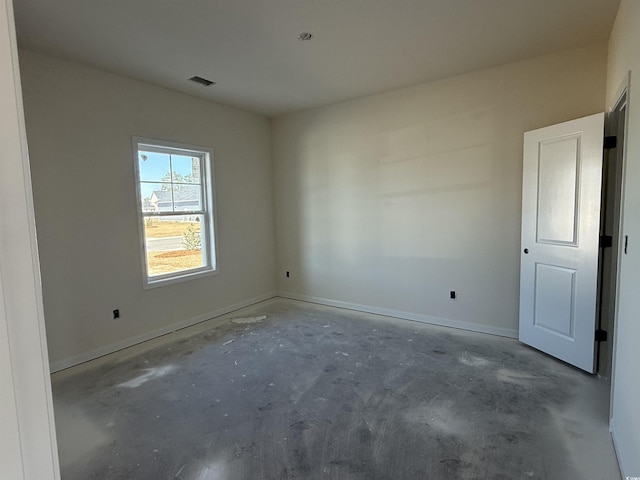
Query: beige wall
(392, 200)
(385, 202)
(624, 56)
(79, 127)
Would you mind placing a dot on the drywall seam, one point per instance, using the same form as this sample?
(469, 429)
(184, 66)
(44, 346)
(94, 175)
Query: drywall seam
(416, 317)
(129, 342)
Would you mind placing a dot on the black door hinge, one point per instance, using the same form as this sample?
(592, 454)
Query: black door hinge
(606, 241)
(601, 335)
(610, 142)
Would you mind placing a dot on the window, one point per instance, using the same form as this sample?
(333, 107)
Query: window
(175, 210)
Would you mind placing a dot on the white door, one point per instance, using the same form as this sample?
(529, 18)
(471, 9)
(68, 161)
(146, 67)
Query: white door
(562, 173)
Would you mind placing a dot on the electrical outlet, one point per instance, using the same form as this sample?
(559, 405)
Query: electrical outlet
(452, 294)
(116, 313)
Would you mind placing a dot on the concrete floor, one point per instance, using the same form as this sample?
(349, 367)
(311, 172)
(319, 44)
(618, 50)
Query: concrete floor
(313, 392)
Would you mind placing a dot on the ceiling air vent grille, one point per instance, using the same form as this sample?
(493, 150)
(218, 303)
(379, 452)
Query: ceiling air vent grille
(202, 81)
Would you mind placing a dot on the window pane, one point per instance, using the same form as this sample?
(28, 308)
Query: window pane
(154, 167)
(156, 197)
(185, 169)
(174, 244)
(168, 197)
(186, 197)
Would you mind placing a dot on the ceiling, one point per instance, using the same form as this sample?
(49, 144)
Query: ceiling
(250, 48)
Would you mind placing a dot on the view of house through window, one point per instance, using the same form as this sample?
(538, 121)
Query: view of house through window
(175, 209)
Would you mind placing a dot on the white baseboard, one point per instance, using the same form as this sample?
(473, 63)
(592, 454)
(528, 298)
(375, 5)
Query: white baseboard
(129, 342)
(416, 317)
(616, 446)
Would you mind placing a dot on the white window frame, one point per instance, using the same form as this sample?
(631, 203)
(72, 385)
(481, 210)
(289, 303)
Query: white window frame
(208, 229)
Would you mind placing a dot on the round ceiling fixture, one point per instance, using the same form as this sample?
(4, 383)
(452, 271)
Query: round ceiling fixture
(304, 36)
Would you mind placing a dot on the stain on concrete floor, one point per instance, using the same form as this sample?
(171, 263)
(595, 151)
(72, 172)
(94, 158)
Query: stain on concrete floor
(316, 393)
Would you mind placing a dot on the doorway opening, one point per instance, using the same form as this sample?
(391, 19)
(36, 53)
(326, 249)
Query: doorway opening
(610, 232)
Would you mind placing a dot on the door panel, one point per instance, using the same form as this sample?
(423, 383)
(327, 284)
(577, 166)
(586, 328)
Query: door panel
(554, 299)
(562, 172)
(557, 189)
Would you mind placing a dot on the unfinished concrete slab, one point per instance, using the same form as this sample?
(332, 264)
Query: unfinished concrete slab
(291, 390)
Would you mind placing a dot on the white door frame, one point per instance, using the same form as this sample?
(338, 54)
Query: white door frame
(622, 91)
(28, 449)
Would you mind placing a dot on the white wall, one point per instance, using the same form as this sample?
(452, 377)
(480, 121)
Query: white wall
(79, 127)
(27, 432)
(392, 200)
(624, 56)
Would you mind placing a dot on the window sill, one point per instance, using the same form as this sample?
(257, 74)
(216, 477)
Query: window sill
(178, 278)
